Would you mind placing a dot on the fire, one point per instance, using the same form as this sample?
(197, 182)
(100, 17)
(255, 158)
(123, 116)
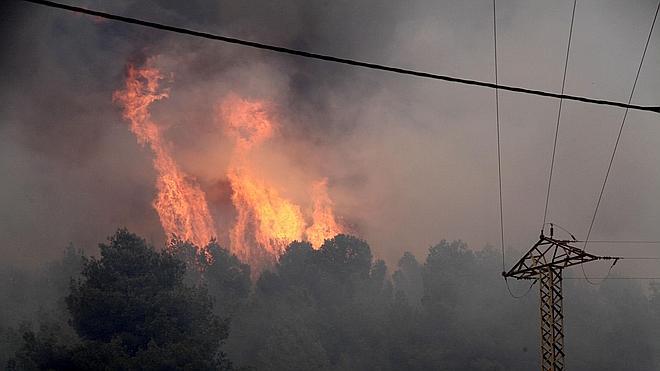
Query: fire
(181, 204)
(266, 222)
(325, 224)
(247, 122)
(272, 221)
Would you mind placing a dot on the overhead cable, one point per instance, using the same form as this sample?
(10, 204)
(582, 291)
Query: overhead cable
(329, 58)
(497, 127)
(561, 101)
(623, 123)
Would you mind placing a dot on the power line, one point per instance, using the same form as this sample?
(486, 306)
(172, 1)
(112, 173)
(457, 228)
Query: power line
(609, 271)
(329, 58)
(529, 289)
(621, 241)
(561, 101)
(499, 161)
(499, 152)
(403, 71)
(615, 259)
(611, 278)
(623, 122)
(638, 258)
(575, 240)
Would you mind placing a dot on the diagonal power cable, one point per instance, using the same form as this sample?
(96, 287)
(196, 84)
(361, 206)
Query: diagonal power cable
(499, 162)
(623, 123)
(618, 139)
(561, 101)
(329, 58)
(497, 126)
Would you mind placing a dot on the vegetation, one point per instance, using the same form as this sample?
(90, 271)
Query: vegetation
(336, 308)
(131, 311)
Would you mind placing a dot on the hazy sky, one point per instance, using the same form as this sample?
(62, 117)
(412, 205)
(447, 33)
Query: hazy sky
(410, 161)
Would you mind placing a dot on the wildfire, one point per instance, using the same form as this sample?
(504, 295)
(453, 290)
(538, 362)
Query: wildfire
(247, 122)
(181, 204)
(272, 221)
(324, 225)
(265, 220)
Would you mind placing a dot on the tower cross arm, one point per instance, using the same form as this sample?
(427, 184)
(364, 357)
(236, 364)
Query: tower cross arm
(550, 253)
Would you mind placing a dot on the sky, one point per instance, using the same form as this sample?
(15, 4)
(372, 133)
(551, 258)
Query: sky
(409, 161)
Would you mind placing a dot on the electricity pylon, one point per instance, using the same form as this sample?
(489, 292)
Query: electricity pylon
(544, 262)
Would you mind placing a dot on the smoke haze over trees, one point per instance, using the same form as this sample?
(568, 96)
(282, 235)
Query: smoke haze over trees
(409, 161)
(409, 166)
(336, 308)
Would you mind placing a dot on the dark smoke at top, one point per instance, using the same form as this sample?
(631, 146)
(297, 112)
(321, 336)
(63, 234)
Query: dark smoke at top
(409, 161)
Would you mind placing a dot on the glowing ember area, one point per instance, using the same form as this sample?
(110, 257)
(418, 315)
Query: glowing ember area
(324, 225)
(180, 203)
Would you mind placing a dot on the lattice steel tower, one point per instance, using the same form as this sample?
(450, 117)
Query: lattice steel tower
(544, 262)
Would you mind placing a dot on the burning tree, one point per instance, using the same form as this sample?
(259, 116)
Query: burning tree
(266, 222)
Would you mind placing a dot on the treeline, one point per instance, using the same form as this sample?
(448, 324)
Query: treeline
(337, 308)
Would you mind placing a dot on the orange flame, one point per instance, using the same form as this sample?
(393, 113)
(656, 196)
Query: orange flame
(181, 204)
(247, 122)
(274, 221)
(266, 222)
(325, 224)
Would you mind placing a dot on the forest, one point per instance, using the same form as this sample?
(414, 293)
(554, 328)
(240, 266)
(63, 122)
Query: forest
(132, 306)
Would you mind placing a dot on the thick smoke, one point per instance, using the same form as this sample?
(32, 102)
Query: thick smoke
(409, 161)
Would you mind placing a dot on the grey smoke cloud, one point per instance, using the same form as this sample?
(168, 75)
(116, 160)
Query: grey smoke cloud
(410, 161)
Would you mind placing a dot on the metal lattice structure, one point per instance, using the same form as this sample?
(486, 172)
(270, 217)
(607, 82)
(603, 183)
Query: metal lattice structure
(552, 321)
(544, 262)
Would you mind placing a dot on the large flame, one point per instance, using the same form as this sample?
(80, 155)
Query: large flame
(266, 222)
(263, 217)
(247, 122)
(180, 203)
(325, 225)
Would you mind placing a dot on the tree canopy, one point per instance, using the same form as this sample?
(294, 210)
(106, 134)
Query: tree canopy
(132, 311)
(333, 308)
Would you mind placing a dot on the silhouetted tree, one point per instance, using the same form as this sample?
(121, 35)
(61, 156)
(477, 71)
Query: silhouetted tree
(332, 308)
(318, 309)
(132, 311)
(408, 279)
(224, 275)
